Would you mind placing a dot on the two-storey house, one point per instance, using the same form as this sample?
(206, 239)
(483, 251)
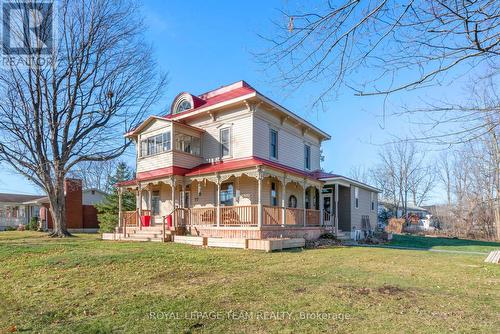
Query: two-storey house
(233, 163)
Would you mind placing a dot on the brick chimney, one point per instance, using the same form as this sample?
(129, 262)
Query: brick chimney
(74, 209)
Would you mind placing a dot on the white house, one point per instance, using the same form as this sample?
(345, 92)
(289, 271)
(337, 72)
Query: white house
(233, 163)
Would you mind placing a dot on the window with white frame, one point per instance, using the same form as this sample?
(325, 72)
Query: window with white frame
(307, 156)
(225, 142)
(373, 201)
(356, 197)
(227, 194)
(155, 144)
(273, 144)
(274, 194)
(188, 144)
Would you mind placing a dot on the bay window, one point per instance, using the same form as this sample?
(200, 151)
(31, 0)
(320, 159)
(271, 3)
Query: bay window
(188, 144)
(155, 144)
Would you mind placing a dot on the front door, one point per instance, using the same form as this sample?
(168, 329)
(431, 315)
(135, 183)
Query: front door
(327, 209)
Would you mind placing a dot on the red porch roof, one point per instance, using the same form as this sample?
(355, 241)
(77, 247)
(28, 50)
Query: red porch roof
(218, 167)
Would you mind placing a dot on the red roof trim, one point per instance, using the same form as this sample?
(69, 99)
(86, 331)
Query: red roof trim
(224, 166)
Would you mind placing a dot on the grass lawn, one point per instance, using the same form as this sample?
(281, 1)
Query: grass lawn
(444, 243)
(83, 284)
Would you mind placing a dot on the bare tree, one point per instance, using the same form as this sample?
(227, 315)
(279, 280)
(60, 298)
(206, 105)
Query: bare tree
(53, 118)
(444, 173)
(403, 175)
(360, 173)
(396, 45)
(95, 174)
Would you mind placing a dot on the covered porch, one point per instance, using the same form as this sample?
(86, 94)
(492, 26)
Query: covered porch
(256, 203)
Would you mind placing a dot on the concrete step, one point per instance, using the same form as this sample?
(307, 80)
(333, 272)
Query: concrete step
(142, 238)
(149, 233)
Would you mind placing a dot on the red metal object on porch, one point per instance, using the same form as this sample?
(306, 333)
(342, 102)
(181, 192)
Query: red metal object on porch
(169, 221)
(146, 220)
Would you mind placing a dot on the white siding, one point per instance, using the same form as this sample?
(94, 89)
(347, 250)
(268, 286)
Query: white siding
(249, 137)
(89, 198)
(240, 122)
(364, 209)
(157, 161)
(291, 141)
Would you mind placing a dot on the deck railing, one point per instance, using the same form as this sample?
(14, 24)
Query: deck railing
(313, 217)
(202, 216)
(181, 217)
(244, 215)
(129, 218)
(272, 215)
(294, 216)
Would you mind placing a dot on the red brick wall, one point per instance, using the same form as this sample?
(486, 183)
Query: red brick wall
(90, 217)
(74, 208)
(77, 215)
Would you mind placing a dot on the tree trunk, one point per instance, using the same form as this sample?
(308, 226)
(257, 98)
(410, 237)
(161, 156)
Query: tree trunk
(58, 211)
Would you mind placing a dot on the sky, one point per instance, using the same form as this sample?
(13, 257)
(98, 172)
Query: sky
(207, 44)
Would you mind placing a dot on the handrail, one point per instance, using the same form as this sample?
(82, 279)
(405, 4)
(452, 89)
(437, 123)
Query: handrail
(163, 228)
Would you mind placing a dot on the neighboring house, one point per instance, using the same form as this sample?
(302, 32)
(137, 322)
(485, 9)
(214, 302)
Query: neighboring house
(411, 209)
(81, 214)
(17, 209)
(421, 215)
(92, 196)
(233, 163)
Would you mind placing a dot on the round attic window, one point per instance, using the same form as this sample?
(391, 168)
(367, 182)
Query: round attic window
(183, 105)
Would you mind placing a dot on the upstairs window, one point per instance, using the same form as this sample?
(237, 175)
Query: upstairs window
(188, 144)
(156, 144)
(183, 106)
(273, 144)
(356, 197)
(373, 201)
(225, 142)
(307, 157)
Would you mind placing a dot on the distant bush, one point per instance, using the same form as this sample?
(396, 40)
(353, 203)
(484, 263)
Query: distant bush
(33, 224)
(395, 225)
(10, 228)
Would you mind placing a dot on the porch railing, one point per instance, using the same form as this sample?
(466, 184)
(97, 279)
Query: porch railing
(294, 216)
(239, 215)
(181, 217)
(313, 217)
(203, 216)
(129, 218)
(246, 215)
(272, 215)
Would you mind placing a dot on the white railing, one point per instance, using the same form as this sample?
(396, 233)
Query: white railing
(11, 221)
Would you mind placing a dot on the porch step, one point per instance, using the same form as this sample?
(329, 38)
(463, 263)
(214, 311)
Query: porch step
(121, 237)
(143, 238)
(341, 235)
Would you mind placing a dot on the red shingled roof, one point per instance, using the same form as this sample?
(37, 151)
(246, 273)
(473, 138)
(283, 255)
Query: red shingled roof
(223, 166)
(240, 88)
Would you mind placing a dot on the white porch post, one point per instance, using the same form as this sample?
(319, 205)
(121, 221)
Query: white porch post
(139, 203)
(150, 193)
(218, 201)
(321, 208)
(259, 199)
(304, 188)
(336, 209)
(120, 213)
(172, 184)
(283, 201)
